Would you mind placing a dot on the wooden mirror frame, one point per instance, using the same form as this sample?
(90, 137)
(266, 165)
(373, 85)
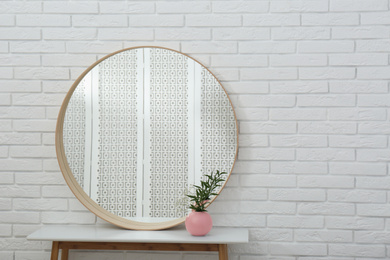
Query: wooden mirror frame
(77, 189)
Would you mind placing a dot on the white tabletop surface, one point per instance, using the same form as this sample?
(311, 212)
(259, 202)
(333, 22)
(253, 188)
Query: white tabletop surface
(106, 233)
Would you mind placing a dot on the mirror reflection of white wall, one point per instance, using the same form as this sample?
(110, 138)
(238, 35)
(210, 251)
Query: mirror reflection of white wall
(142, 127)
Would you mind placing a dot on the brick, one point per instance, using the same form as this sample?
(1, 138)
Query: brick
(266, 101)
(297, 60)
(5, 204)
(269, 73)
(209, 47)
(359, 87)
(10, 217)
(266, 154)
(373, 210)
(42, 20)
(21, 165)
(327, 73)
(41, 73)
(32, 151)
(268, 127)
(20, 139)
(373, 73)
(357, 250)
(99, 20)
(20, 60)
(358, 141)
(6, 178)
(37, 47)
(312, 154)
(297, 114)
(183, 34)
(327, 19)
(326, 100)
(240, 220)
(374, 128)
(246, 87)
(5, 99)
(358, 5)
(37, 99)
(19, 34)
(295, 87)
(353, 223)
(310, 168)
(20, 7)
(368, 237)
(325, 182)
(182, 7)
(298, 141)
(356, 114)
(69, 33)
(251, 167)
(295, 250)
(299, 6)
(49, 217)
(3, 46)
(375, 18)
(358, 59)
(300, 33)
(261, 180)
(68, 60)
(301, 222)
(34, 125)
(296, 195)
(253, 140)
(362, 32)
(326, 208)
(374, 182)
(373, 100)
(331, 236)
(93, 47)
(39, 178)
(251, 114)
(325, 46)
(271, 19)
(165, 20)
(358, 196)
(62, 7)
(5, 125)
(239, 7)
(208, 20)
(5, 231)
(265, 47)
(119, 7)
(249, 33)
(327, 127)
(267, 208)
(13, 86)
(40, 204)
(7, 20)
(357, 168)
(373, 45)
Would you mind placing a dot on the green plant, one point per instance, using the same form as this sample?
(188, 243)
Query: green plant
(203, 193)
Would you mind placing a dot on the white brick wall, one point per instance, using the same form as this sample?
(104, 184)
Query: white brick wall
(310, 83)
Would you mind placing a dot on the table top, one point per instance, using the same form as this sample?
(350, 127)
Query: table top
(108, 233)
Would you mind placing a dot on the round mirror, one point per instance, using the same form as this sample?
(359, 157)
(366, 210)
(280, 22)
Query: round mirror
(138, 129)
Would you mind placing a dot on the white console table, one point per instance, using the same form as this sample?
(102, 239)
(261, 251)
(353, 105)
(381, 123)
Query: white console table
(68, 237)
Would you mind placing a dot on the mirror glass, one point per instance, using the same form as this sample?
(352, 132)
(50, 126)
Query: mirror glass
(138, 129)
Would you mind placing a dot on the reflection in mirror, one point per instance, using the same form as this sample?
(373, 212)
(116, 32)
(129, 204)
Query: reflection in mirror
(142, 127)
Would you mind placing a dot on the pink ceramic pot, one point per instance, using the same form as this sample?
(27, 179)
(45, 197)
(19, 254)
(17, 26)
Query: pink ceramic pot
(198, 223)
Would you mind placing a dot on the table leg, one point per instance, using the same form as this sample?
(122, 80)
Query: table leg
(64, 254)
(54, 250)
(223, 252)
